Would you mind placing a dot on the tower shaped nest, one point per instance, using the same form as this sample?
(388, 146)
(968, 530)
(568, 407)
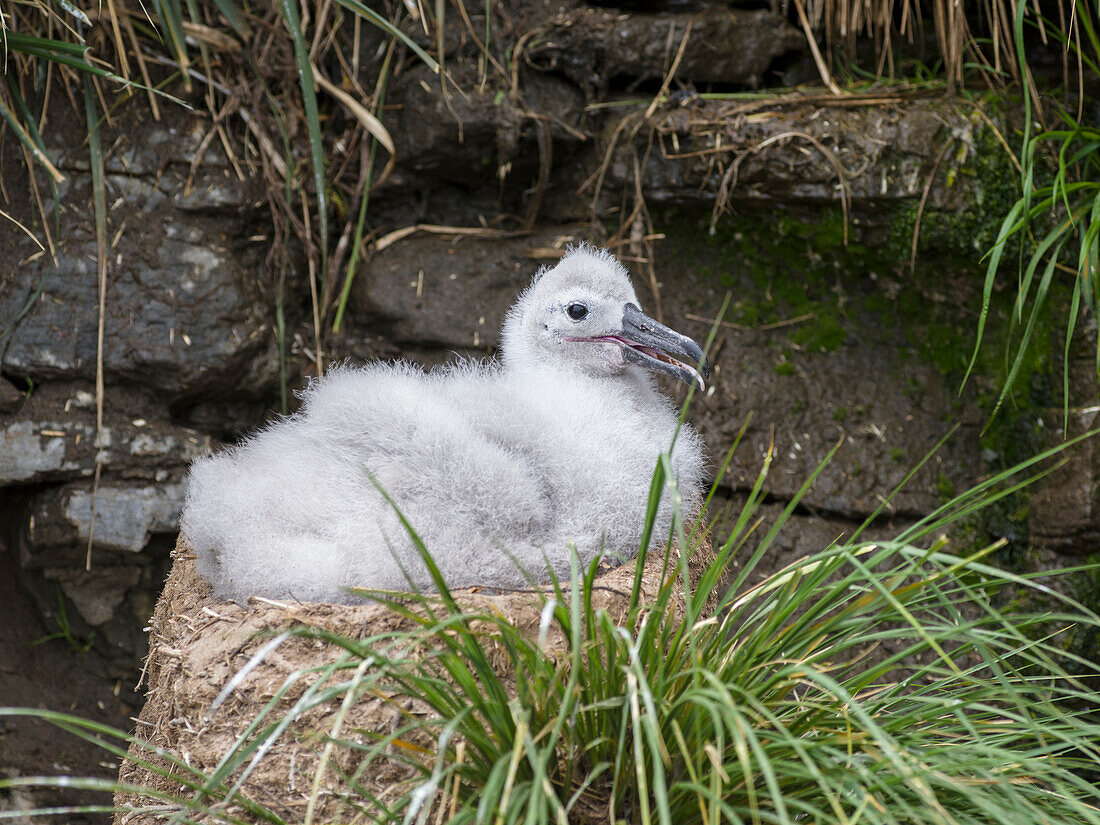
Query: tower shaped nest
(198, 644)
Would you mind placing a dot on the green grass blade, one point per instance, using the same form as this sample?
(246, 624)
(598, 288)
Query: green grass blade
(292, 20)
(30, 44)
(1071, 325)
(28, 142)
(1058, 240)
(1009, 226)
(232, 14)
(170, 14)
(364, 202)
(769, 537)
(385, 25)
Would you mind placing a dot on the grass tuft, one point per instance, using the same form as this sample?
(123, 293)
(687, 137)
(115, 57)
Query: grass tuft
(1055, 225)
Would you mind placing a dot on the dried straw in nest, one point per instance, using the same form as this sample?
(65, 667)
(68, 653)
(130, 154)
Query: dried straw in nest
(198, 644)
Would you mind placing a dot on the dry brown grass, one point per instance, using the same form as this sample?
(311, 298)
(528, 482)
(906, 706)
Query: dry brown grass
(980, 33)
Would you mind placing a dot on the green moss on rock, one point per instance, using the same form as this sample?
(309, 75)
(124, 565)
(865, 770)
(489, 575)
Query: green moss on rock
(986, 183)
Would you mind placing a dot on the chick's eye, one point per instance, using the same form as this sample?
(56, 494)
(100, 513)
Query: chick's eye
(576, 311)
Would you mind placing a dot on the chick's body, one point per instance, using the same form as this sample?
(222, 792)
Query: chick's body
(499, 467)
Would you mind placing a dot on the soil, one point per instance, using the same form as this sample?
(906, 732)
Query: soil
(39, 672)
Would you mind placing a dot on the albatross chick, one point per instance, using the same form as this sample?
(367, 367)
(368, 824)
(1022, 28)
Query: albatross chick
(499, 467)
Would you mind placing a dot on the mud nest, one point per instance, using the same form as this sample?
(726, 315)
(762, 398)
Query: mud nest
(199, 644)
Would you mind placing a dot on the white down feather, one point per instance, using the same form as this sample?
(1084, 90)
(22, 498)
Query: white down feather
(497, 466)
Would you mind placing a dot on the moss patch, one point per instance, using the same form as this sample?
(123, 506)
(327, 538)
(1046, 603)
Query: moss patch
(988, 184)
(782, 269)
(790, 273)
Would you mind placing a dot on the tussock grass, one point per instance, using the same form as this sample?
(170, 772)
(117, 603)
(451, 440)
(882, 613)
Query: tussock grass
(871, 682)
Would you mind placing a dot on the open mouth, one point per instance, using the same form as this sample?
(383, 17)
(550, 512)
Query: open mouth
(654, 358)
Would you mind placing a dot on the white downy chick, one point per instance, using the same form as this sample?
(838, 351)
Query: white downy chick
(498, 467)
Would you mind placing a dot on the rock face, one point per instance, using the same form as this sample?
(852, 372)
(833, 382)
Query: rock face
(456, 296)
(804, 152)
(1066, 503)
(597, 46)
(189, 355)
(186, 318)
(188, 327)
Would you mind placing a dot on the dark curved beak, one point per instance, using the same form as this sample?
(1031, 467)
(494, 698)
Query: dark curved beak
(652, 345)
